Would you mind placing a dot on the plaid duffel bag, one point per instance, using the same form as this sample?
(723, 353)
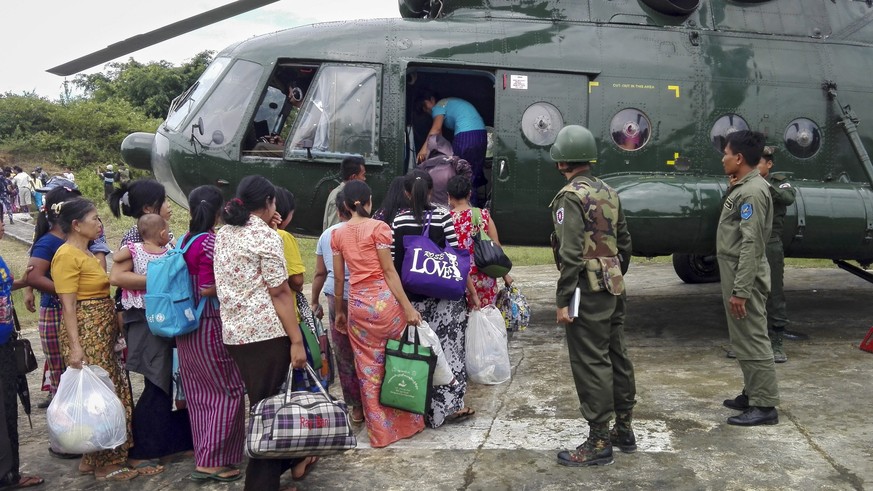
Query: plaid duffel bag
(299, 424)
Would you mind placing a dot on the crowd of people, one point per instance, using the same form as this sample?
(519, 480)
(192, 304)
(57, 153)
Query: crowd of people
(250, 273)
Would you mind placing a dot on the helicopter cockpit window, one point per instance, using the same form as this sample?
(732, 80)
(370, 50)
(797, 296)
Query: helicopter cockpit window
(222, 112)
(723, 127)
(338, 116)
(802, 138)
(630, 129)
(182, 105)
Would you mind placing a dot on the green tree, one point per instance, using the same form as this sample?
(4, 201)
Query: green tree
(150, 87)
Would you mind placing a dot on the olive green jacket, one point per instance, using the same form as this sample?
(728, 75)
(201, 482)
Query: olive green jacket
(591, 229)
(743, 230)
(783, 196)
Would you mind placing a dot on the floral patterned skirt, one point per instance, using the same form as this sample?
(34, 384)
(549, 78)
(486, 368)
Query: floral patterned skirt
(375, 316)
(98, 332)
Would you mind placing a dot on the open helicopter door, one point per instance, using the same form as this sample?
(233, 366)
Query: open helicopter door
(530, 109)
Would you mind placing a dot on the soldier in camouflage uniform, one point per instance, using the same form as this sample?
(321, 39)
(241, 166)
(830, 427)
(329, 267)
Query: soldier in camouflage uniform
(743, 230)
(592, 246)
(783, 196)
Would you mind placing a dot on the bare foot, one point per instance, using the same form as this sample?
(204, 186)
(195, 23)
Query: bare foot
(303, 467)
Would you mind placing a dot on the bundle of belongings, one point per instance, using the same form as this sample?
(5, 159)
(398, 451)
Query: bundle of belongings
(442, 164)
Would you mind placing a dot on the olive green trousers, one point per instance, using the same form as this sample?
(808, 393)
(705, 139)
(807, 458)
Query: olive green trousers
(777, 313)
(749, 338)
(602, 371)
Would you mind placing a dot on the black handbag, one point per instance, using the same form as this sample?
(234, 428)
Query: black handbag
(25, 359)
(488, 255)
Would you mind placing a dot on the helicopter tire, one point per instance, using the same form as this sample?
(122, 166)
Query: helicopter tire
(696, 268)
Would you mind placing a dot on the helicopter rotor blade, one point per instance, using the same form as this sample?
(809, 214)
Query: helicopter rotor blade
(158, 35)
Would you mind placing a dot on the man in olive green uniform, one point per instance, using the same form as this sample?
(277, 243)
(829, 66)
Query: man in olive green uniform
(592, 246)
(743, 230)
(783, 196)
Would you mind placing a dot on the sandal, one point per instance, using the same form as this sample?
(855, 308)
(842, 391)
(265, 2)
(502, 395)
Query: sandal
(120, 474)
(308, 463)
(359, 419)
(217, 475)
(86, 470)
(24, 482)
(148, 468)
(461, 415)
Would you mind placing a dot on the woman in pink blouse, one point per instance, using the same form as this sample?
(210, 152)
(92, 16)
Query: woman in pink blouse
(213, 385)
(259, 324)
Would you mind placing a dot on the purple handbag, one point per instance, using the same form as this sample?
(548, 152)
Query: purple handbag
(434, 271)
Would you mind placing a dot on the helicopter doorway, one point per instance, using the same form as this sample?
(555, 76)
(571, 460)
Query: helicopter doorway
(530, 109)
(473, 86)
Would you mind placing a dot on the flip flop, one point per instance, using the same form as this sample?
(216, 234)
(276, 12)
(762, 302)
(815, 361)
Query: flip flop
(461, 415)
(354, 419)
(24, 482)
(149, 468)
(122, 474)
(217, 475)
(306, 468)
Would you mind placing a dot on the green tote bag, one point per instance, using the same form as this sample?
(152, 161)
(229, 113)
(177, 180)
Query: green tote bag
(409, 369)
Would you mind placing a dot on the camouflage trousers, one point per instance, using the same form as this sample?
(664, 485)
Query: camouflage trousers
(602, 371)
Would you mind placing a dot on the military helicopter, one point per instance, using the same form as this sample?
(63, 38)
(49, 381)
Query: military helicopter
(660, 83)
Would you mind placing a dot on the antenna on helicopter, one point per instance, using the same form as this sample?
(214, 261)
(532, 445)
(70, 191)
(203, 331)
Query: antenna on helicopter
(156, 36)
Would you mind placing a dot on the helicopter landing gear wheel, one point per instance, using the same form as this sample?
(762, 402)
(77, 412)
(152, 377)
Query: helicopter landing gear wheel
(694, 268)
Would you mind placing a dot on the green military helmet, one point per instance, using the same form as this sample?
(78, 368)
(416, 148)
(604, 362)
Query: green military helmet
(574, 143)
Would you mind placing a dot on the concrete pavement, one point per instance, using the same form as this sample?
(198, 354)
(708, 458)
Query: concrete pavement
(677, 338)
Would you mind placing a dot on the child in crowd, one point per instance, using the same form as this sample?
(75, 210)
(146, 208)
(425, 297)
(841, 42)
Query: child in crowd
(155, 236)
(294, 262)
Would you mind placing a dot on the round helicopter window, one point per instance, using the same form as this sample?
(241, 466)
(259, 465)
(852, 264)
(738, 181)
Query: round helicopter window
(725, 125)
(541, 123)
(630, 129)
(802, 138)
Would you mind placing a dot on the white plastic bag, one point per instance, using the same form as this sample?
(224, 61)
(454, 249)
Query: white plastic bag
(443, 374)
(487, 349)
(85, 415)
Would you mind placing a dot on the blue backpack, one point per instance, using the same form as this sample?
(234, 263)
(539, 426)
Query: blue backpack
(169, 298)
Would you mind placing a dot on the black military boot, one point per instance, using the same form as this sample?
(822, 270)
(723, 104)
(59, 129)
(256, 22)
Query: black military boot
(738, 403)
(597, 449)
(622, 432)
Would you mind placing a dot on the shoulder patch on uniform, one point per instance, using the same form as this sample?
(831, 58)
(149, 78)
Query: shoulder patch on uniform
(784, 185)
(559, 216)
(746, 211)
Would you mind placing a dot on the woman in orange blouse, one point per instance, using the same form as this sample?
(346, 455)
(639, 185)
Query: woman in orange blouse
(378, 310)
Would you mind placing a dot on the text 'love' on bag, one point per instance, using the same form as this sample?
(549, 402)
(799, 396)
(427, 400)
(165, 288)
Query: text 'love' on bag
(431, 270)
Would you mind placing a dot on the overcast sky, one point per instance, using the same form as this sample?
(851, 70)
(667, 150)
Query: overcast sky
(39, 34)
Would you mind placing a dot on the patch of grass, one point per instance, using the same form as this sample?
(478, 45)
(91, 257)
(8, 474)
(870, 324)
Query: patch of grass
(529, 256)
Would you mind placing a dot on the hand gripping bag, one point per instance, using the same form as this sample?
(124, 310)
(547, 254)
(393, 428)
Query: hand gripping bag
(85, 415)
(442, 374)
(487, 349)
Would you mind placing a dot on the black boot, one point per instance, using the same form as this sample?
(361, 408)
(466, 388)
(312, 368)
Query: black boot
(738, 403)
(597, 450)
(755, 416)
(622, 432)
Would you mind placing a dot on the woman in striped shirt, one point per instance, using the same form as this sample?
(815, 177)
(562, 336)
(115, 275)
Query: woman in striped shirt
(448, 318)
